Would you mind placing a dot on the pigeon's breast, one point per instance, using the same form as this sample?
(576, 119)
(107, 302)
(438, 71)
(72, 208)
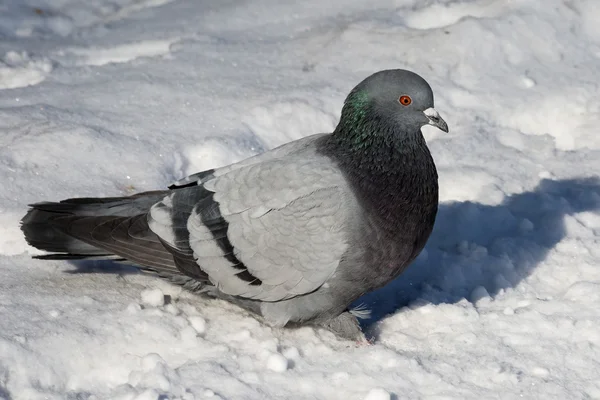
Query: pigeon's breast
(396, 189)
(398, 218)
(394, 236)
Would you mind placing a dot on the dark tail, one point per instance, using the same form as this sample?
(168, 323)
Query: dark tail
(41, 233)
(91, 228)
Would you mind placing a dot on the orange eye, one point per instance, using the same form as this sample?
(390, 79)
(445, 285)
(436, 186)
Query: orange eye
(405, 100)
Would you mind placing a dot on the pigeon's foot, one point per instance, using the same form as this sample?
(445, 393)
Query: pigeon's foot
(345, 326)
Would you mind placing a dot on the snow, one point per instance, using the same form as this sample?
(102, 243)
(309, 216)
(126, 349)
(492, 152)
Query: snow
(277, 362)
(378, 394)
(153, 297)
(198, 323)
(111, 97)
(18, 70)
(118, 54)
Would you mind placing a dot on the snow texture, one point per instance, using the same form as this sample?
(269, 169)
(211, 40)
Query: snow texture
(110, 97)
(378, 394)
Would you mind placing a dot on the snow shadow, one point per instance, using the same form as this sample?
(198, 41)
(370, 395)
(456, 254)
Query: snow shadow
(102, 267)
(475, 245)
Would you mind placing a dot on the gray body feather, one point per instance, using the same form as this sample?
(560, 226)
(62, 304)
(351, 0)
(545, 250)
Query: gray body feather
(295, 234)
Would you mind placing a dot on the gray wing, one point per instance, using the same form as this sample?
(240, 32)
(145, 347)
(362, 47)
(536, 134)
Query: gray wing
(276, 153)
(267, 231)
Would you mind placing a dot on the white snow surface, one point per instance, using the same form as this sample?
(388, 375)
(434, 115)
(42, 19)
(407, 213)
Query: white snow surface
(110, 97)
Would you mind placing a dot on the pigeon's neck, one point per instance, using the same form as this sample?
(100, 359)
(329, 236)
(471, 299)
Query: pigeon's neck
(391, 172)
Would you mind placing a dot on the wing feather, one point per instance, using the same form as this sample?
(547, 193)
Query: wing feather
(269, 228)
(287, 229)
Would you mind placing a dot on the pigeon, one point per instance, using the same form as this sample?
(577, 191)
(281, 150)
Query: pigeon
(294, 235)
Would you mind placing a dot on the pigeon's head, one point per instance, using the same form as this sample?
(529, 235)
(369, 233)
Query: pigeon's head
(396, 99)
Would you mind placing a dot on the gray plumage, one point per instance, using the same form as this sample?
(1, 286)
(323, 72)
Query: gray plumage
(295, 234)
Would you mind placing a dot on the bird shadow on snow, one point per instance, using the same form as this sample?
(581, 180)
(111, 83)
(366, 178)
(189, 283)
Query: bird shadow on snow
(475, 245)
(102, 267)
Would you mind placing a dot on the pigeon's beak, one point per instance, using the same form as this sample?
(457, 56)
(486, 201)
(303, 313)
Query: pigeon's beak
(435, 119)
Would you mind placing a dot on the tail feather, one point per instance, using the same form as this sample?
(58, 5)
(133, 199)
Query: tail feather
(103, 228)
(41, 232)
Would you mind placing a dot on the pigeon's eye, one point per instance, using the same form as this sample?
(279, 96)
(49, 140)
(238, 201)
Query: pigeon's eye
(405, 100)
